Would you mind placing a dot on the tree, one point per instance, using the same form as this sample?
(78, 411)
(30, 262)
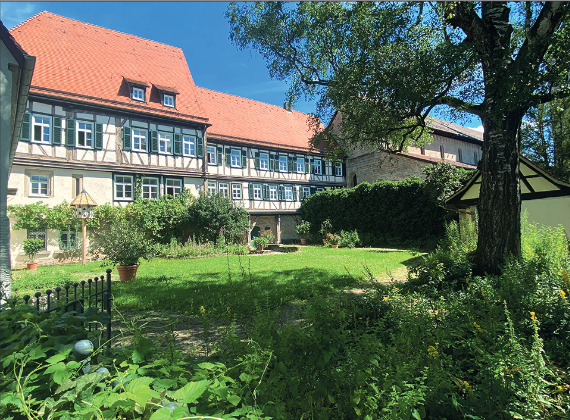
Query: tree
(545, 136)
(386, 66)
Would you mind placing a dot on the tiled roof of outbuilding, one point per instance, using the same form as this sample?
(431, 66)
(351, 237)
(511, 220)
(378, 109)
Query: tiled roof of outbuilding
(84, 62)
(239, 119)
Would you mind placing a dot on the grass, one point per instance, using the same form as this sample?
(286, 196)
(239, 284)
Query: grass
(241, 283)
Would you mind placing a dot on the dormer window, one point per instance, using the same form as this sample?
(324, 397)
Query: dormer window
(168, 100)
(137, 94)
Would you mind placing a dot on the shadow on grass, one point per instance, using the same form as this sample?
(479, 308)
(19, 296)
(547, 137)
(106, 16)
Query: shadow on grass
(244, 294)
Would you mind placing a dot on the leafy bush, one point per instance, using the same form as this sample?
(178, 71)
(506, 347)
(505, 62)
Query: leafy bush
(260, 242)
(124, 244)
(349, 239)
(303, 229)
(443, 179)
(32, 246)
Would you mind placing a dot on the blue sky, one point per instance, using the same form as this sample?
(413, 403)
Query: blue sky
(200, 29)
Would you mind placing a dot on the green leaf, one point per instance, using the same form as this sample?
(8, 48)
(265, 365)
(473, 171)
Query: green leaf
(161, 414)
(57, 358)
(234, 399)
(191, 391)
(56, 368)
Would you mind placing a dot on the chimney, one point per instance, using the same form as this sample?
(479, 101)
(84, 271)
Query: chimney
(287, 106)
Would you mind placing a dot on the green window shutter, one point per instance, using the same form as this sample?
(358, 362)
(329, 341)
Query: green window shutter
(250, 189)
(272, 162)
(256, 161)
(280, 192)
(126, 138)
(98, 136)
(56, 133)
(177, 149)
(343, 173)
(243, 158)
(200, 146)
(153, 140)
(70, 133)
(26, 127)
(219, 153)
(313, 190)
(311, 163)
(265, 191)
(307, 165)
(228, 156)
(294, 193)
(290, 164)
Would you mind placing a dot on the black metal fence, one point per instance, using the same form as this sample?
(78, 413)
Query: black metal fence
(78, 297)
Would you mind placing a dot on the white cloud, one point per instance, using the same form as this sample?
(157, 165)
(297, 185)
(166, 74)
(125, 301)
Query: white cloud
(13, 13)
(480, 128)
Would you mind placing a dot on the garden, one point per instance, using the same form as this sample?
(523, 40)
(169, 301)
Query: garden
(348, 333)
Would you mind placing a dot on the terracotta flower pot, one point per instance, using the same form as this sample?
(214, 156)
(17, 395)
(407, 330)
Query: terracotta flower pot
(32, 265)
(260, 248)
(127, 272)
(324, 241)
(334, 246)
(303, 241)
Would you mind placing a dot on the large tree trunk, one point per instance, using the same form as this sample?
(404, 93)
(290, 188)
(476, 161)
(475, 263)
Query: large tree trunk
(499, 199)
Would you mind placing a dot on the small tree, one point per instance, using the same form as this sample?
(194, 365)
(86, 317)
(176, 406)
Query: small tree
(32, 246)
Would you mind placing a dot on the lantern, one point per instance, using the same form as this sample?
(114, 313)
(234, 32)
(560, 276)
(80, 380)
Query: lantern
(84, 206)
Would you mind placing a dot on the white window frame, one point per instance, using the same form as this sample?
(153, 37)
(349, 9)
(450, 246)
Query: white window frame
(338, 170)
(224, 189)
(165, 143)
(138, 94)
(123, 183)
(45, 129)
(283, 163)
(306, 191)
(211, 151)
(235, 158)
(288, 192)
(236, 191)
(41, 183)
(273, 192)
(212, 188)
(168, 100)
(150, 188)
(264, 161)
(317, 168)
(81, 127)
(175, 185)
(257, 192)
(139, 140)
(189, 142)
(300, 165)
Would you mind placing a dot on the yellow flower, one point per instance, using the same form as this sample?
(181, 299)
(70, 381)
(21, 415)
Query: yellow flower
(432, 351)
(562, 294)
(533, 316)
(228, 310)
(203, 310)
(477, 327)
(386, 298)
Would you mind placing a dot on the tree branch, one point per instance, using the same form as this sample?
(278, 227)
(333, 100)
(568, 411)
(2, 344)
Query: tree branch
(549, 97)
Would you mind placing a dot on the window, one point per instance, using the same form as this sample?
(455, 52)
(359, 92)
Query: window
(77, 184)
(212, 188)
(317, 166)
(224, 190)
(123, 187)
(38, 234)
(459, 155)
(39, 185)
(257, 191)
(41, 129)
(211, 154)
(236, 191)
(189, 145)
(168, 100)
(338, 170)
(165, 142)
(84, 134)
(282, 163)
(320, 189)
(441, 152)
(289, 193)
(305, 192)
(173, 187)
(273, 192)
(301, 165)
(139, 140)
(137, 94)
(68, 240)
(150, 188)
(264, 161)
(236, 158)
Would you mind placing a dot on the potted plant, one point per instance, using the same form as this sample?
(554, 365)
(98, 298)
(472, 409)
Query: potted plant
(302, 230)
(269, 235)
(260, 242)
(124, 245)
(333, 240)
(326, 229)
(31, 247)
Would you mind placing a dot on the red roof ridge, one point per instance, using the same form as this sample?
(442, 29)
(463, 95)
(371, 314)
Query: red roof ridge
(50, 14)
(217, 92)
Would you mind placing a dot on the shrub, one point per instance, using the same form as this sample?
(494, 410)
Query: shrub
(303, 229)
(260, 242)
(32, 246)
(269, 235)
(124, 244)
(349, 239)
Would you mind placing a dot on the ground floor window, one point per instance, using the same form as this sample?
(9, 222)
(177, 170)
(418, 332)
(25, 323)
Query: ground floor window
(123, 187)
(69, 240)
(150, 188)
(38, 234)
(173, 186)
(305, 192)
(212, 188)
(224, 190)
(236, 191)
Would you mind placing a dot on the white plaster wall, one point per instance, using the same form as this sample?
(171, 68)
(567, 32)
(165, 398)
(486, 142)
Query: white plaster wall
(552, 211)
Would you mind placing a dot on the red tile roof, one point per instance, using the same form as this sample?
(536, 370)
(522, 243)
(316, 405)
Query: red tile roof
(80, 61)
(240, 119)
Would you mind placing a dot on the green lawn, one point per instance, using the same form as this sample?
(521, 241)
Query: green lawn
(239, 282)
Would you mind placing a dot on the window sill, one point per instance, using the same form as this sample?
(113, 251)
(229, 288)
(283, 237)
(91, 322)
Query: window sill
(40, 142)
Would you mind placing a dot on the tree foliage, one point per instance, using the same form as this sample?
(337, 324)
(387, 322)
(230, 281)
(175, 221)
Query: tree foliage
(443, 179)
(386, 65)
